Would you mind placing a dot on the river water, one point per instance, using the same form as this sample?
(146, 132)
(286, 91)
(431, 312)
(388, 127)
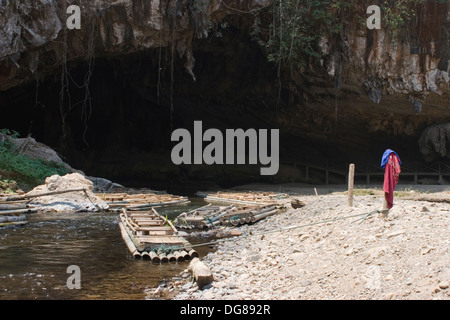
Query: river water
(34, 258)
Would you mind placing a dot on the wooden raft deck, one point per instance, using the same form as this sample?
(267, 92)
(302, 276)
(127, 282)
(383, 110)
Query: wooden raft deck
(247, 198)
(149, 235)
(142, 201)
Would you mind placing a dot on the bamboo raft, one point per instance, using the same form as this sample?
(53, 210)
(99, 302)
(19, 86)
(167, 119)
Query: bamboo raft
(142, 201)
(213, 216)
(149, 235)
(247, 198)
(12, 213)
(247, 214)
(203, 217)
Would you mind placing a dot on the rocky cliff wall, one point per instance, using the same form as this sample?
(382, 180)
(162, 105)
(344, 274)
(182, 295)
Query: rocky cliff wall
(35, 37)
(364, 93)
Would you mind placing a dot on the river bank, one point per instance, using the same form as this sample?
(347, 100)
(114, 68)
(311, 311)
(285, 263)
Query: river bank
(403, 256)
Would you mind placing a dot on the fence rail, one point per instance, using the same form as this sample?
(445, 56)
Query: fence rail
(416, 170)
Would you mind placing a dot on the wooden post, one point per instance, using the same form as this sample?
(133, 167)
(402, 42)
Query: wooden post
(351, 178)
(385, 209)
(200, 272)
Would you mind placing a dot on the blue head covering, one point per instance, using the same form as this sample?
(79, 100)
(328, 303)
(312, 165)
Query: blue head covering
(385, 157)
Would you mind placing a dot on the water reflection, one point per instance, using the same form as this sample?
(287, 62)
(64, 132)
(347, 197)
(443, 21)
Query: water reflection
(34, 258)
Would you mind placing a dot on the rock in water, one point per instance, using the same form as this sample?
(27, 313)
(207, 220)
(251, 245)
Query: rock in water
(67, 202)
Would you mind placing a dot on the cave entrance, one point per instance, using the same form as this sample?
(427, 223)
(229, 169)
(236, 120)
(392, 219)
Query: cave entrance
(119, 127)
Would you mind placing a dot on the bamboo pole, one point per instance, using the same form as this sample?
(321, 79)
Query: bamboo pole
(171, 257)
(14, 223)
(264, 215)
(351, 178)
(12, 218)
(145, 255)
(130, 245)
(12, 212)
(185, 255)
(153, 204)
(139, 246)
(179, 256)
(163, 257)
(166, 221)
(29, 196)
(12, 206)
(193, 253)
(154, 257)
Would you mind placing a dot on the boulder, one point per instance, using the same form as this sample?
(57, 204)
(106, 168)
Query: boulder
(35, 150)
(105, 185)
(67, 202)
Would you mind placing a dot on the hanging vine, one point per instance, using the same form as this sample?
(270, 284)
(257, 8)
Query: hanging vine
(65, 101)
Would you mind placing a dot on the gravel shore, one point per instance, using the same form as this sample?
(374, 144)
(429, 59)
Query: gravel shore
(403, 256)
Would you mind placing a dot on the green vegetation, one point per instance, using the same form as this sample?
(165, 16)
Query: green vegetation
(15, 166)
(395, 16)
(8, 186)
(290, 30)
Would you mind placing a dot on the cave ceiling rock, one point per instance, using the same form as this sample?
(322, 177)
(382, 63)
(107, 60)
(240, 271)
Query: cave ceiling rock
(36, 28)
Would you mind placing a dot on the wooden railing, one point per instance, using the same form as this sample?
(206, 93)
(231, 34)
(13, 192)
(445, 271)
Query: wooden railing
(416, 170)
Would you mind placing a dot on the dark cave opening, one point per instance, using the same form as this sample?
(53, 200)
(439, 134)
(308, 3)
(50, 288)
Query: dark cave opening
(121, 129)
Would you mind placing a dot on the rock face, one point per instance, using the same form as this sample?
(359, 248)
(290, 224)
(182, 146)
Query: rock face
(36, 36)
(67, 202)
(363, 94)
(435, 141)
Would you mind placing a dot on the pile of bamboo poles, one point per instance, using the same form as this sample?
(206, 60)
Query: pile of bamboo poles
(247, 198)
(203, 217)
(213, 216)
(149, 235)
(12, 213)
(142, 201)
(248, 214)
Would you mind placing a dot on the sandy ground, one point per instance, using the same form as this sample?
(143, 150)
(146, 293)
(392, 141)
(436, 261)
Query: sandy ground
(402, 256)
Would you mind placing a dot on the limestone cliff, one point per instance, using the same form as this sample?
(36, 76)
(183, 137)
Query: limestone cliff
(364, 92)
(35, 35)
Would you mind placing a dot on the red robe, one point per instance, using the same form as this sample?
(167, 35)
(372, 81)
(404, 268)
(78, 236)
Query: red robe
(391, 175)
